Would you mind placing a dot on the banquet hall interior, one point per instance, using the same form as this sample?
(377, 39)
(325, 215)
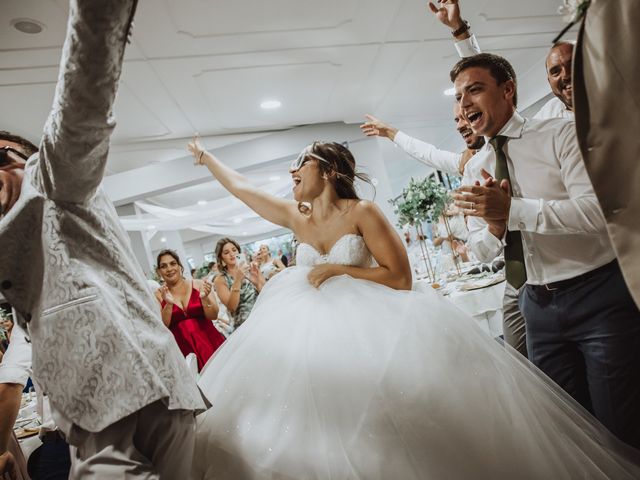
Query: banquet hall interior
(254, 83)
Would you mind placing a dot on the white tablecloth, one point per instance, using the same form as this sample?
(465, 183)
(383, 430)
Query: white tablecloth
(483, 304)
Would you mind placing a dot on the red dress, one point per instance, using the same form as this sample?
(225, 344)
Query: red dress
(192, 331)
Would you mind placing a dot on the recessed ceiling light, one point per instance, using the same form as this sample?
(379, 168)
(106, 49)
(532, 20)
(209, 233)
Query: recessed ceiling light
(151, 227)
(202, 202)
(163, 239)
(274, 178)
(27, 25)
(237, 220)
(270, 104)
(450, 92)
(245, 233)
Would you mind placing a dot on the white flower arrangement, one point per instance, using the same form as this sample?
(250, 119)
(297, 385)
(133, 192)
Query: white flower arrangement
(573, 10)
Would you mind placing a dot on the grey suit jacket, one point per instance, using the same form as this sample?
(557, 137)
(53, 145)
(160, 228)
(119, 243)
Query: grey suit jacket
(607, 108)
(100, 349)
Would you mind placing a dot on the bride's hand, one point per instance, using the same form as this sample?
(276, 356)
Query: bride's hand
(321, 273)
(196, 149)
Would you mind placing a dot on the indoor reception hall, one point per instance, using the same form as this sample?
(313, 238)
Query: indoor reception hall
(339, 240)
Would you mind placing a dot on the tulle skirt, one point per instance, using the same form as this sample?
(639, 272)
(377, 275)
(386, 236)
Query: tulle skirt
(355, 380)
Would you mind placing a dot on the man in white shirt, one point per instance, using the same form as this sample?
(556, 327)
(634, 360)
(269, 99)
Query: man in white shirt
(527, 192)
(52, 457)
(448, 13)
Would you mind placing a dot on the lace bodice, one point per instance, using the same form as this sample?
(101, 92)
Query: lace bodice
(350, 249)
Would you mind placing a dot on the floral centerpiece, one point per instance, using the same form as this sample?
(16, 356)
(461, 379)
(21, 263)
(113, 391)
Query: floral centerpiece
(422, 200)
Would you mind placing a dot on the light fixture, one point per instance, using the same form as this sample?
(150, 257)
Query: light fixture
(237, 220)
(202, 202)
(270, 104)
(450, 92)
(27, 25)
(151, 227)
(245, 234)
(274, 178)
(163, 239)
(374, 182)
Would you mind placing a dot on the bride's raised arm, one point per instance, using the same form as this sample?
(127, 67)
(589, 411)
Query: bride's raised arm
(274, 209)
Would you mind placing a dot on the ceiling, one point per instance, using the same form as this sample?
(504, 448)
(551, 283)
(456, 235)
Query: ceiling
(205, 66)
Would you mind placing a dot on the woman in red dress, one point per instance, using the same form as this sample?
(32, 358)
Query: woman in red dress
(188, 308)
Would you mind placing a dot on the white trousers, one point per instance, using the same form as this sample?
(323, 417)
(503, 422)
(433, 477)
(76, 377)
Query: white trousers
(152, 443)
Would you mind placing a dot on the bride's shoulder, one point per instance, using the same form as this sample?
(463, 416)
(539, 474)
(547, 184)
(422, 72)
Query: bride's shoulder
(365, 207)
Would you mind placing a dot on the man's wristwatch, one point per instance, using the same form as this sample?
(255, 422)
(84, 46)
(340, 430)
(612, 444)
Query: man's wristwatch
(463, 28)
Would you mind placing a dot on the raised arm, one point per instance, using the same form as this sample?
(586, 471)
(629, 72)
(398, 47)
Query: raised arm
(76, 136)
(448, 13)
(383, 242)
(448, 162)
(274, 209)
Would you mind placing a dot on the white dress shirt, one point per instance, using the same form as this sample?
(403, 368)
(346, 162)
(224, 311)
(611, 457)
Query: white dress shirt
(468, 47)
(553, 203)
(447, 162)
(554, 108)
(16, 368)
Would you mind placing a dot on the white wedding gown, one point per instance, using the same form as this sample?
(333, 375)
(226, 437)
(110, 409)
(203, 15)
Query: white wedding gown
(355, 380)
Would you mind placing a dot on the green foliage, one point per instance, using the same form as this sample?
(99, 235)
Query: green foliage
(422, 200)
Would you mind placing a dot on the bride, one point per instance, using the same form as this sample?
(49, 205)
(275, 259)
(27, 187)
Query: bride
(342, 372)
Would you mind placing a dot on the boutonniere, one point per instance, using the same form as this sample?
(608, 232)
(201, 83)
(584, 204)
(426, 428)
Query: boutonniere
(572, 12)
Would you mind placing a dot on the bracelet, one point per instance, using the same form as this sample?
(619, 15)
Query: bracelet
(235, 289)
(200, 157)
(464, 28)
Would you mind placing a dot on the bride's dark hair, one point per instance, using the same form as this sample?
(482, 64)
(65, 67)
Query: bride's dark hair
(340, 168)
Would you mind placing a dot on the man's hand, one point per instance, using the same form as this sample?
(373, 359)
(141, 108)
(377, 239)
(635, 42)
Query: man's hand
(489, 201)
(448, 12)
(8, 466)
(321, 273)
(376, 127)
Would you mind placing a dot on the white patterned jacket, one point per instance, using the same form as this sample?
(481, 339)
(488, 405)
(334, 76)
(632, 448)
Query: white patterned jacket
(100, 349)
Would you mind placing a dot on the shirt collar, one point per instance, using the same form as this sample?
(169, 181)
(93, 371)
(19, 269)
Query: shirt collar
(513, 128)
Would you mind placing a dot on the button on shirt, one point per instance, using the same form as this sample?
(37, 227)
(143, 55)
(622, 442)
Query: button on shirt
(447, 162)
(553, 203)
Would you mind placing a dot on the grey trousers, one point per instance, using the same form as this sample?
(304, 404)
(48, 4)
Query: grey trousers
(513, 326)
(153, 443)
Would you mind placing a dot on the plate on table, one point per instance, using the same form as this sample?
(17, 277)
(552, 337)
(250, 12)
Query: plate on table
(26, 432)
(482, 283)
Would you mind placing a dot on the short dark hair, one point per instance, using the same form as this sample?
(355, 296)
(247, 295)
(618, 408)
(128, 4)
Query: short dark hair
(498, 67)
(28, 147)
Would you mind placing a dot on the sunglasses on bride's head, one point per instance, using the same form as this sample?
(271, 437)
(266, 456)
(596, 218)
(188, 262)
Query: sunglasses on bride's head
(305, 155)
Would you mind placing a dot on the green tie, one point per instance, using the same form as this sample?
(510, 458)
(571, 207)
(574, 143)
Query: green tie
(516, 272)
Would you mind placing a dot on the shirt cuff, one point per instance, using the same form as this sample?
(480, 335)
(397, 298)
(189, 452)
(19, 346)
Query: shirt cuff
(401, 139)
(13, 375)
(467, 47)
(524, 214)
